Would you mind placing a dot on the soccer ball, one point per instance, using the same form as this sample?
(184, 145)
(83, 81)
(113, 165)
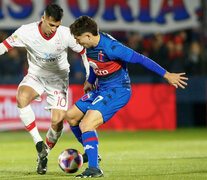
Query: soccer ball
(70, 160)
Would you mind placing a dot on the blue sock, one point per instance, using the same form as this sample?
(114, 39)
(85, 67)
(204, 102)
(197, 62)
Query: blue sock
(77, 132)
(90, 144)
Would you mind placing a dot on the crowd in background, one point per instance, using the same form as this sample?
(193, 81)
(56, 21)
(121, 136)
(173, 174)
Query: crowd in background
(177, 52)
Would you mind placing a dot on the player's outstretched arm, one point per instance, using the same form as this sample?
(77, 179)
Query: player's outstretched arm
(176, 79)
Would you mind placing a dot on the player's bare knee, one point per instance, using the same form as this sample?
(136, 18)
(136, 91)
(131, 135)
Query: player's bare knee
(71, 119)
(73, 122)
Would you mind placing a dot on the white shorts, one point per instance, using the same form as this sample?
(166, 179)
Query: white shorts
(56, 89)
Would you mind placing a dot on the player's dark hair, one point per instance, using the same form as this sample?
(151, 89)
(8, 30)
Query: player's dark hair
(54, 11)
(84, 24)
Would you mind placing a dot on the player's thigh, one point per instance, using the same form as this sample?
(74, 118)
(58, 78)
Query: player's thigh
(92, 120)
(111, 101)
(57, 93)
(74, 115)
(25, 95)
(30, 88)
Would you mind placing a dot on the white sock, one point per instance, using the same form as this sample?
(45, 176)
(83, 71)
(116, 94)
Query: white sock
(28, 118)
(52, 137)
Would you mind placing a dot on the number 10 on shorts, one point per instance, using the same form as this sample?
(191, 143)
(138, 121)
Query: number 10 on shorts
(61, 101)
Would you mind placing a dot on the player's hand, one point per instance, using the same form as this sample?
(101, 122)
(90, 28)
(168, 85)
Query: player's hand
(176, 79)
(87, 87)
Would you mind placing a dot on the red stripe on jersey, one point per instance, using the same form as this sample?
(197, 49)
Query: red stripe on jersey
(91, 139)
(7, 45)
(83, 51)
(31, 126)
(105, 68)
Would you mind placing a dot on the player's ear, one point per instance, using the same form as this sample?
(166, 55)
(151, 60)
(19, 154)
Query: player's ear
(43, 17)
(89, 35)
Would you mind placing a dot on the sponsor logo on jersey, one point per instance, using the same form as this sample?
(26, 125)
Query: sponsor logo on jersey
(93, 65)
(48, 58)
(96, 69)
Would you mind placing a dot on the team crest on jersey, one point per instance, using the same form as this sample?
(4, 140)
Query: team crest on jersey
(100, 56)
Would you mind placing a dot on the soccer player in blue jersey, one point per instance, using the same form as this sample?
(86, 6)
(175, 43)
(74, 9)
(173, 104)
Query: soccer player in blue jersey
(108, 60)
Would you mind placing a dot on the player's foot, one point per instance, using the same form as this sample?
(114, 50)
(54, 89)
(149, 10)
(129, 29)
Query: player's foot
(41, 165)
(85, 158)
(42, 157)
(91, 172)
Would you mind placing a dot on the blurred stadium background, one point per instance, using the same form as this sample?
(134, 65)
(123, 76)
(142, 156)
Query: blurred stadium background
(171, 32)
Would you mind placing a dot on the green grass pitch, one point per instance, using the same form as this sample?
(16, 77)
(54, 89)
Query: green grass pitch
(148, 155)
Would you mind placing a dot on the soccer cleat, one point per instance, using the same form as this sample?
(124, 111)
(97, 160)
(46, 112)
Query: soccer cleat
(85, 158)
(41, 165)
(42, 157)
(91, 172)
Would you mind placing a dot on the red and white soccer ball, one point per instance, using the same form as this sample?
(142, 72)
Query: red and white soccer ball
(70, 160)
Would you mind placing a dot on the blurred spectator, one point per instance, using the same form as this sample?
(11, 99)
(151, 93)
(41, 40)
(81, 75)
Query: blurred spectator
(159, 51)
(77, 69)
(177, 59)
(171, 50)
(3, 35)
(194, 63)
(12, 64)
(120, 36)
(135, 43)
(177, 52)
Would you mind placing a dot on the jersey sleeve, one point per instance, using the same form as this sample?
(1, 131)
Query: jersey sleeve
(92, 76)
(16, 39)
(119, 51)
(73, 45)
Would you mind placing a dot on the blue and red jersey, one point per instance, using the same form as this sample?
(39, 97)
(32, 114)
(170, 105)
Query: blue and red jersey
(108, 62)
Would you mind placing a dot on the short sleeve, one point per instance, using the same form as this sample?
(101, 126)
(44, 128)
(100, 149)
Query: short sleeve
(73, 45)
(16, 39)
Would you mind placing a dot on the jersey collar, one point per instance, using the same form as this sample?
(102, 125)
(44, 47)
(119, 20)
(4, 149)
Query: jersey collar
(45, 37)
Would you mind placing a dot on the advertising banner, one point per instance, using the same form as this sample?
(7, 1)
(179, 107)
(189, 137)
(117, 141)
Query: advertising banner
(147, 16)
(150, 107)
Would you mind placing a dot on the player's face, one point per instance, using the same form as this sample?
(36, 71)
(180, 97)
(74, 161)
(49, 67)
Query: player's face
(49, 25)
(84, 40)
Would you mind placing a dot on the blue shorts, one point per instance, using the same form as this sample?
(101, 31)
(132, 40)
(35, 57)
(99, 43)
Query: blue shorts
(108, 102)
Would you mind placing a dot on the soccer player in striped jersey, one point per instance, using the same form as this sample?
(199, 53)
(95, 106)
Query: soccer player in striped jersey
(108, 60)
(46, 42)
